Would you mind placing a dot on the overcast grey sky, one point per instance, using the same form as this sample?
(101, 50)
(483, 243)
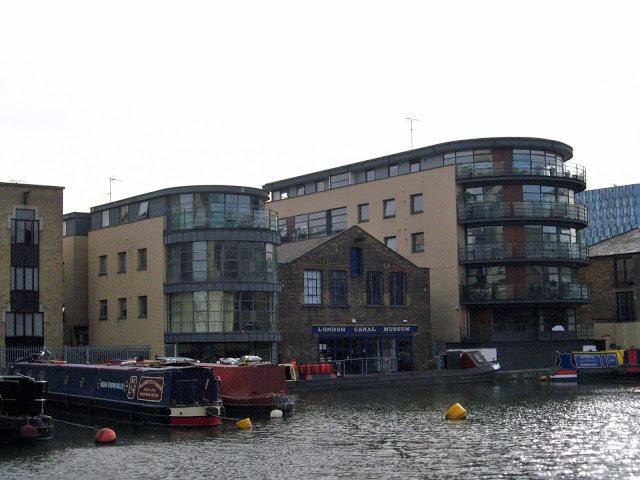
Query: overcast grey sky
(162, 94)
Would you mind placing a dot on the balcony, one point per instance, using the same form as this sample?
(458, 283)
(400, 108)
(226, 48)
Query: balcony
(254, 219)
(499, 212)
(524, 251)
(568, 173)
(509, 294)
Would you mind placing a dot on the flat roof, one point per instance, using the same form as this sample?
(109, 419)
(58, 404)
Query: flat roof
(470, 144)
(31, 185)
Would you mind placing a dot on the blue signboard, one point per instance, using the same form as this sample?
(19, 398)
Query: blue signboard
(353, 330)
(596, 360)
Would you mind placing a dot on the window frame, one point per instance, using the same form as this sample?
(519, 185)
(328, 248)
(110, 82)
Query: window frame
(361, 217)
(338, 288)
(142, 260)
(142, 314)
(397, 289)
(122, 308)
(625, 306)
(374, 279)
(395, 242)
(122, 262)
(312, 287)
(388, 201)
(623, 269)
(414, 245)
(412, 199)
(102, 265)
(103, 309)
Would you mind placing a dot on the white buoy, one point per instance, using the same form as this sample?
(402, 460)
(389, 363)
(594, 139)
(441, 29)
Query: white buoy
(276, 413)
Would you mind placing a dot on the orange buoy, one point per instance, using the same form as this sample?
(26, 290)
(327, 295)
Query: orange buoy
(105, 435)
(28, 432)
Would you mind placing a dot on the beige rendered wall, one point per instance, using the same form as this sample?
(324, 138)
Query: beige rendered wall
(622, 334)
(74, 288)
(438, 222)
(47, 202)
(133, 330)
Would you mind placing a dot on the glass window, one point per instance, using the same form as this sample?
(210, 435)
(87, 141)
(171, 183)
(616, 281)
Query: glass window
(417, 242)
(143, 210)
(301, 226)
(363, 212)
(320, 186)
(284, 194)
(312, 287)
(10, 324)
(389, 208)
(393, 170)
(283, 228)
(355, 261)
(24, 278)
(124, 213)
(417, 203)
(275, 196)
(122, 308)
(300, 190)
(375, 289)
(390, 242)
(397, 289)
(624, 270)
(142, 307)
(102, 265)
(340, 180)
(199, 259)
(142, 259)
(338, 220)
(317, 223)
(105, 218)
(371, 175)
(64, 228)
(103, 315)
(122, 262)
(625, 304)
(24, 228)
(338, 288)
(415, 166)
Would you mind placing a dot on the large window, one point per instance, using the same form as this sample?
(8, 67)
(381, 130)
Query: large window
(375, 289)
(543, 193)
(30, 324)
(486, 194)
(393, 170)
(338, 288)
(389, 208)
(103, 313)
(102, 265)
(338, 220)
(484, 235)
(24, 228)
(391, 242)
(625, 307)
(340, 180)
(549, 233)
(397, 289)
(25, 278)
(122, 308)
(122, 262)
(142, 259)
(312, 287)
(142, 306)
(105, 218)
(536, 162)
(624, 270)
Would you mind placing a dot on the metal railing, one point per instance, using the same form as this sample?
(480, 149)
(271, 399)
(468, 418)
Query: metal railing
(569, 171)
(502, 294)
(523, 251)
(85, 354)
(524, 210)
(364, 366)
(262, 219)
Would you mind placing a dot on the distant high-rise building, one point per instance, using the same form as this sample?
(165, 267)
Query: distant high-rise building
(612, 211)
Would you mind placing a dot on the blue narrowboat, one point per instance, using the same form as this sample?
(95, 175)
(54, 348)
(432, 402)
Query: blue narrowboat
(154, 393)
(605, 364)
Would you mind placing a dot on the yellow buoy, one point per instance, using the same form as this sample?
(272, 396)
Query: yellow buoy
(456, 412)
(244, 424)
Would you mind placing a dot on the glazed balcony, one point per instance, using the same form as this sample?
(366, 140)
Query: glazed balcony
(254, 219)
(567, 293)
(540, 252)
(569, 174)
(534, 211)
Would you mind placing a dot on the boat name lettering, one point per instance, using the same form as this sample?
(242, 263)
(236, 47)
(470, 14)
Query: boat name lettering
(111, 385)
(150, 389)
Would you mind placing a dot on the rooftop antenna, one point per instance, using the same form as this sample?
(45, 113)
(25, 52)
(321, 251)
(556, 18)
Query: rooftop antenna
(411, 120)
(111, 180)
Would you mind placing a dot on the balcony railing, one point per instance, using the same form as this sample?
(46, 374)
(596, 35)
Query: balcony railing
(569, 171)
(522, 210)
(514, 251)
(260, 219)
(505, 294)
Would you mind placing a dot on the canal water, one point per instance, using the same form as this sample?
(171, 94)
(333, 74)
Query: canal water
(517, 430)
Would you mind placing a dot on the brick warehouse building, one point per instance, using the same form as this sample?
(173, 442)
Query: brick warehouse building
(348, 296)
(494, 219)
(31, 265)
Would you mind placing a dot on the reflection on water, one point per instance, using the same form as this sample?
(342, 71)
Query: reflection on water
(514, 430)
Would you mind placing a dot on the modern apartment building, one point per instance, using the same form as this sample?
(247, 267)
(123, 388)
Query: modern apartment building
(495, 221)
(31, 265)
(612, 211)
(187, 270)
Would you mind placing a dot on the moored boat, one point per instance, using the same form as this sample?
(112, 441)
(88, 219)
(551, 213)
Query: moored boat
(155, 393)
(22, 402)
(603, 364)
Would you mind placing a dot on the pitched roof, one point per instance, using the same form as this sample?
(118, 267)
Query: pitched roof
(288, 252)
(625, 243)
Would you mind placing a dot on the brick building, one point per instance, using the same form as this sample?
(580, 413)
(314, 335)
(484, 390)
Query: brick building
(614, 275)
(348, 296)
